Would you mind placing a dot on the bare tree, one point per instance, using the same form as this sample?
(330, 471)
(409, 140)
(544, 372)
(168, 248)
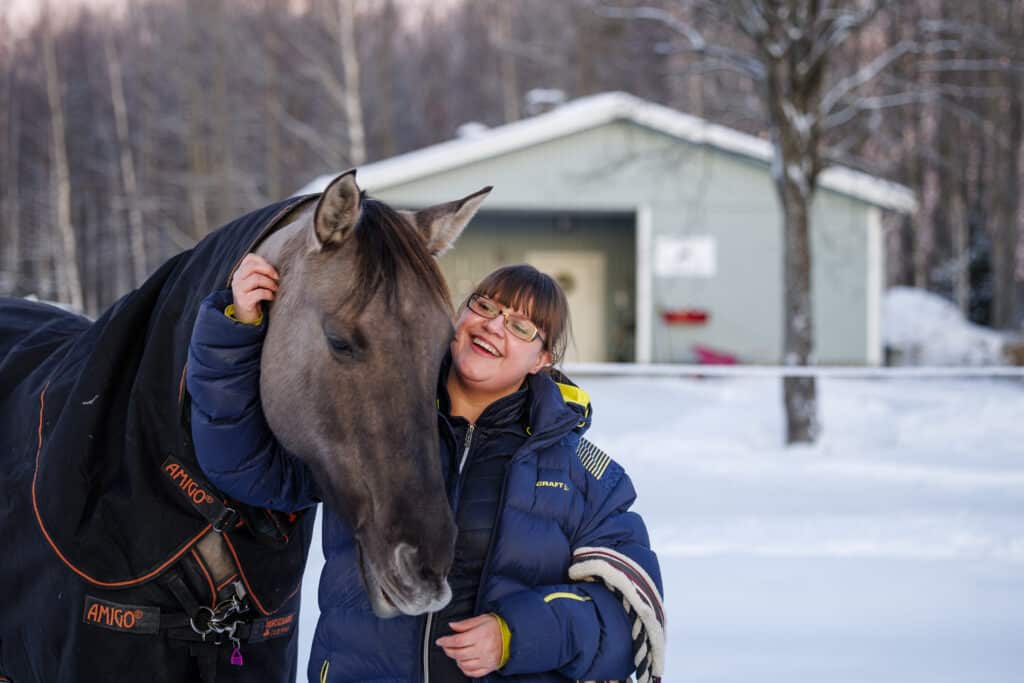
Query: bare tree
(136, 234)
(1009, 29)
(786, 47)
(10, 266)
(501, 37)
(67, 269)
(350, 62)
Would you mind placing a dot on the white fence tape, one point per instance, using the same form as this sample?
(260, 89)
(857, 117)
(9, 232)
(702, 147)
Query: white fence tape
(668, 370)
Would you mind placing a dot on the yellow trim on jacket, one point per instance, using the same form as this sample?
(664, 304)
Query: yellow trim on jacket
(571, 394)
(569, 596)
(230, 312)
(506, 639)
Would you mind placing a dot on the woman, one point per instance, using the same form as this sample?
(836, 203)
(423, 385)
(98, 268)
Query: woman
(525, 495)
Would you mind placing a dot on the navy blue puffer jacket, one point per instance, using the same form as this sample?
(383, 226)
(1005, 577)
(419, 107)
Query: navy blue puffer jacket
(551, 502)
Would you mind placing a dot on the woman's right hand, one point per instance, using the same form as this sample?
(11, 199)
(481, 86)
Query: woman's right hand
(255, 280)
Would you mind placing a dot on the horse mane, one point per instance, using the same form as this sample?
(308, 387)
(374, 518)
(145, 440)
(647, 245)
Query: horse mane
(385, 241)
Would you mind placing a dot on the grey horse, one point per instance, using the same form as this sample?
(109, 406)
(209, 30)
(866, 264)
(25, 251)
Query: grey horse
(121, 562)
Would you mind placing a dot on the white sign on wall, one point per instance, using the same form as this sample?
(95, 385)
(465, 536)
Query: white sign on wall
(690, 256)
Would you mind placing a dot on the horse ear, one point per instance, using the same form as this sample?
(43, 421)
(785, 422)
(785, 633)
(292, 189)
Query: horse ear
(441, 225)
(338, 210)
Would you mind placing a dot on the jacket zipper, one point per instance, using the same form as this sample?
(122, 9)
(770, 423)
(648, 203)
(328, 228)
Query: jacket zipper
(465, 448)
(458, 486)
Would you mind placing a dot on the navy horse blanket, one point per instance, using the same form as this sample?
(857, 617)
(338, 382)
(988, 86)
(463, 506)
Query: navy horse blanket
(103, 506)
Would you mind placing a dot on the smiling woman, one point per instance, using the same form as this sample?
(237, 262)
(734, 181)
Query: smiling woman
(527, 503)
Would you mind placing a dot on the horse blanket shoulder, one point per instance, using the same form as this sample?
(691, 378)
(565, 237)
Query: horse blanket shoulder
(91, 413)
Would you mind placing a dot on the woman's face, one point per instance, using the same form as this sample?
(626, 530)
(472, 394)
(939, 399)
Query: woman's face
(487, 358)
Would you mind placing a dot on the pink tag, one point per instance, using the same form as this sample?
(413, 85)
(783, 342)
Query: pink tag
(236, 657)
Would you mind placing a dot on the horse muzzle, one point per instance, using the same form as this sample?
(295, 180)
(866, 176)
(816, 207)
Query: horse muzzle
(405, 587)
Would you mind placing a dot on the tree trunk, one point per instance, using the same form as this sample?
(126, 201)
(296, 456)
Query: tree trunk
(956, 213)
(387, 70)
(353, 100)
(11, 268)
(193, 79)
(136, 235)
(924, 230)
(502, 37)
(92, 258)
(272, 103)
(799, 393)
(1006, 233)
(67, 261)
(793, 95)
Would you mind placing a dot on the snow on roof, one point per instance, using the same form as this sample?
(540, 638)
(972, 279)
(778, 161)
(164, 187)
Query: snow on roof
(597, 110)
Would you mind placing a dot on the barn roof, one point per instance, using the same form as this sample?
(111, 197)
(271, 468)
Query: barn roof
(598, 110)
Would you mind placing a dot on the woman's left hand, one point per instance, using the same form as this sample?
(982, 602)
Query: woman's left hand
(476, 645)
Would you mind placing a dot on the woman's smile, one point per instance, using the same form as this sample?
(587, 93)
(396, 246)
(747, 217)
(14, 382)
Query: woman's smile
(483, 347)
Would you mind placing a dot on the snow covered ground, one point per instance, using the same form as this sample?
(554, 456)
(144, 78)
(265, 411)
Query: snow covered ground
(926, 329)
(891, 551)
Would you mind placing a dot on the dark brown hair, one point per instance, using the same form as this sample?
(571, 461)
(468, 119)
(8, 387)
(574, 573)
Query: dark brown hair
(538, 296)
(385, 241)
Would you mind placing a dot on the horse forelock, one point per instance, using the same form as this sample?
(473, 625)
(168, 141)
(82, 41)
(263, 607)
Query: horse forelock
(387, 243)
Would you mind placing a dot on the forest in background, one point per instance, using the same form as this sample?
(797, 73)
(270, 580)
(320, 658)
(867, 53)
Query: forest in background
(127, 135)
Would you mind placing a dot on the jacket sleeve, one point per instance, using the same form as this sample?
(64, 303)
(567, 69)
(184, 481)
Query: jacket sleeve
(234, 444)
(596, 633)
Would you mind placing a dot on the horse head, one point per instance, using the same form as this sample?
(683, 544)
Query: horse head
(356, 337)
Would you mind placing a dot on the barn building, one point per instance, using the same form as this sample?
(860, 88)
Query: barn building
(663, 228)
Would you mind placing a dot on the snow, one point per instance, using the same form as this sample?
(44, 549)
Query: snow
(471, 129)
(891, 551)
(926, 329)
(542, 99)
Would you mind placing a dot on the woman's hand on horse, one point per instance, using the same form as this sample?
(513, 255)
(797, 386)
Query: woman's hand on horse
(255, 280)
(476, 645)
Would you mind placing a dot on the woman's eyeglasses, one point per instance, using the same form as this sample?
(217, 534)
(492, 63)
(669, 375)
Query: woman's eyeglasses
(519, 326)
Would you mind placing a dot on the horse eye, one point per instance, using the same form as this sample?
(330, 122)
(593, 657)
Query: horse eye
(341, 346)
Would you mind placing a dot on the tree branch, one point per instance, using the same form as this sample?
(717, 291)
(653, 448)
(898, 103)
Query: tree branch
(863, 75)
(695, 42)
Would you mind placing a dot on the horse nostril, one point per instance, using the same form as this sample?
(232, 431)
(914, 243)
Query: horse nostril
(428, 575)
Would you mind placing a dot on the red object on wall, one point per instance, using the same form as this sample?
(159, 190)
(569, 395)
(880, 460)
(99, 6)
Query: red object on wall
(685, 316)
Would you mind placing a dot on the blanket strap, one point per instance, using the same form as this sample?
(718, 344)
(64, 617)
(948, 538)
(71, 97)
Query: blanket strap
(200, 494)
(628, 581)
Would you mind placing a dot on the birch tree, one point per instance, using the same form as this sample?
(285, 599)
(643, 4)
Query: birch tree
(67, 260)
(136, 234)
(350, 63)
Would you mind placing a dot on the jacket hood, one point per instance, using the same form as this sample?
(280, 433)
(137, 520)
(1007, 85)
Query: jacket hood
(557, 407)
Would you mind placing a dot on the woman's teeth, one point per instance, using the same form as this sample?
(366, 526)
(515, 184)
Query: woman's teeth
(485, 346)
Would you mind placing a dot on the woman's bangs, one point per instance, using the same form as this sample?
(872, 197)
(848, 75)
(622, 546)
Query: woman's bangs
(523, 291)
